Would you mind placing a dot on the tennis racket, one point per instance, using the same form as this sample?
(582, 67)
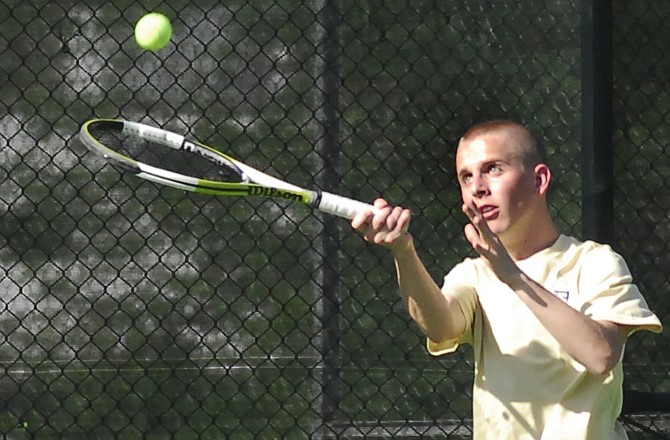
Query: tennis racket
(171, 159)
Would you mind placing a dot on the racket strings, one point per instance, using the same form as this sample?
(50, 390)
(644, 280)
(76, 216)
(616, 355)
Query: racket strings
(193, 162)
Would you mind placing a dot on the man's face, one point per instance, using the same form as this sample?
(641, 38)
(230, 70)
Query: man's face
(492, 177)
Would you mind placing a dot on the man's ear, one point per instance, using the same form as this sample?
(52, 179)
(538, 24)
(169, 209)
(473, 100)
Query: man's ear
(542, 178)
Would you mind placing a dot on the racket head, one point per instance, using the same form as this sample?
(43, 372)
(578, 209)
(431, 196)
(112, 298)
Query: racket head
(171, 159)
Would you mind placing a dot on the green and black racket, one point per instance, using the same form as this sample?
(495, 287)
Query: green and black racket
(171, 159)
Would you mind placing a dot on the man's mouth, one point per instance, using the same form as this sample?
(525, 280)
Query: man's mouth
(488, 212)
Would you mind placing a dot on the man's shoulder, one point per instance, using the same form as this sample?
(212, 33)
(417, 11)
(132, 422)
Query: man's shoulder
(583, 255)
(570, 244)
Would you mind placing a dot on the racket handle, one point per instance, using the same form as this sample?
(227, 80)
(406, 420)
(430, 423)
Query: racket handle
(342, 206)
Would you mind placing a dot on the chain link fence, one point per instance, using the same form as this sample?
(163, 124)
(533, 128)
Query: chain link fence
(130, 310)
(642, 177)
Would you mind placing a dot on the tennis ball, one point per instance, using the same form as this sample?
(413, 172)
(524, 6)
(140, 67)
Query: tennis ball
(153, 31)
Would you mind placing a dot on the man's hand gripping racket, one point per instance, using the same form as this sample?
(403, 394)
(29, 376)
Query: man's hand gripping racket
(387, 226)
(171, 159)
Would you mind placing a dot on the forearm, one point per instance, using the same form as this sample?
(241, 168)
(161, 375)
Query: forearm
(439, 318)
(596, 345)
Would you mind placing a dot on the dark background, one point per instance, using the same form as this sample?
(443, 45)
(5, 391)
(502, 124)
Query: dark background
(130, 310)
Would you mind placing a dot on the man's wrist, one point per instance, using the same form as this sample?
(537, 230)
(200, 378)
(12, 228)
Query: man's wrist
(514, 278)
(404, 247)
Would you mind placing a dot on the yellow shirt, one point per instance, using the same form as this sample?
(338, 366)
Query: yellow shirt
(526, 385)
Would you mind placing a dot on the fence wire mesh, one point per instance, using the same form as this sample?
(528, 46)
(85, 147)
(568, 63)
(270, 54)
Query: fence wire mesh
(134, 311)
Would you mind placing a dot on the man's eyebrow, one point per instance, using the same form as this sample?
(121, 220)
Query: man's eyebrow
(463, 171)
(483, 165)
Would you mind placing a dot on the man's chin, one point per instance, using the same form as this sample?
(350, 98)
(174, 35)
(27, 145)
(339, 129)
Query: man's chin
(498, 227)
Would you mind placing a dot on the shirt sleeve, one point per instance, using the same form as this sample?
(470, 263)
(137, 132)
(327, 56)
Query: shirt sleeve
(459, 283)
(610, 294)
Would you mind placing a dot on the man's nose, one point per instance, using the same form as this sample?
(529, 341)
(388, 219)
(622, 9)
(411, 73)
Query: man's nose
(478, 186)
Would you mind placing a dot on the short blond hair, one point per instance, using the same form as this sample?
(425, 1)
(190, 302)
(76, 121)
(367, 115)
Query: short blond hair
(530, 149)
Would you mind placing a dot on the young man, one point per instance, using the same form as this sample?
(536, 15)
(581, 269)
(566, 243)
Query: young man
(547, 315)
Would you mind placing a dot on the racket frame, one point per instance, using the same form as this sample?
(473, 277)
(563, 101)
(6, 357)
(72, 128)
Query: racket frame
(253, 182)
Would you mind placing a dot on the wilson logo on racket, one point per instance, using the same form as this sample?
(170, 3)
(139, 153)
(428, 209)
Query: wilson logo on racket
(274, 192)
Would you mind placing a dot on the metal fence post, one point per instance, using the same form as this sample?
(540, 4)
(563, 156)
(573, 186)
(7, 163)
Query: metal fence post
(597, 144)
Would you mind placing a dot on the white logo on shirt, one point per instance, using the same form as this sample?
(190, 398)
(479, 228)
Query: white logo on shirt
(562, 294)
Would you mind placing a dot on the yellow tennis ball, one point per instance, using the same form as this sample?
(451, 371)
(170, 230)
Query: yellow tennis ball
(153, 31)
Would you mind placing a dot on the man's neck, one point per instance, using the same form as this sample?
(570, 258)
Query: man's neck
(542, 235)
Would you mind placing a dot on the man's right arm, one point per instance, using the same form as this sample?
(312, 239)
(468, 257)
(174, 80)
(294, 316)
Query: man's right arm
(439, 317)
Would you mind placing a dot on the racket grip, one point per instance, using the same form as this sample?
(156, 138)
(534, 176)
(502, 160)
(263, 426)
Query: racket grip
(342, 206)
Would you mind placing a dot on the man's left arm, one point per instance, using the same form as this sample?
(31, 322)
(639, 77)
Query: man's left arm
(596, 344)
